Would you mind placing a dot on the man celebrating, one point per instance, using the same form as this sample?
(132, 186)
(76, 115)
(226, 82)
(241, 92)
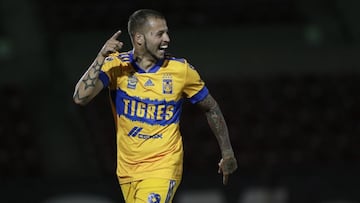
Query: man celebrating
(147, 88)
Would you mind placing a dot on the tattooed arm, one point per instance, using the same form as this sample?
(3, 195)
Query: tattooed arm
(89, 84)
(218, 126)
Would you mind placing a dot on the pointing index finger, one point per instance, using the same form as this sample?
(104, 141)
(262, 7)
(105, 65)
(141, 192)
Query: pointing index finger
(225, 179)
(116, 35)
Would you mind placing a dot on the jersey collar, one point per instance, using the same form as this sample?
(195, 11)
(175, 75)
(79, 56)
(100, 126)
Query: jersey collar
(153, 69)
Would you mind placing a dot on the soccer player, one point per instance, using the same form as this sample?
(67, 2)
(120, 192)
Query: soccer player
(147, 88)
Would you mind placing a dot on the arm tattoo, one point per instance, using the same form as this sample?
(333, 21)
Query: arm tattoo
(216, 122)
(90, 81)
(77, 96)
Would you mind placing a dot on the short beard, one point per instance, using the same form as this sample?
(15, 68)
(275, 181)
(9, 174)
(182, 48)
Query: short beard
(150, 52)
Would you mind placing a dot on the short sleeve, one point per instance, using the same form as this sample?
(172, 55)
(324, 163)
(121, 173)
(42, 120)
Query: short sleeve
(107, 73)
(194, 87)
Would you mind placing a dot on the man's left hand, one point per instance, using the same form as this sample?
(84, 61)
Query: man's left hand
(227, 166)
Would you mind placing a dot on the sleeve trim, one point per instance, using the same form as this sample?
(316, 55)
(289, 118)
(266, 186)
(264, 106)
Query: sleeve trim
(104, 78)
(200, 95)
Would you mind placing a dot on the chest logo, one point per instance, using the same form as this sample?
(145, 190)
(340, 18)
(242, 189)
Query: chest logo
(167, 84)
(148, 83)
(132, 81)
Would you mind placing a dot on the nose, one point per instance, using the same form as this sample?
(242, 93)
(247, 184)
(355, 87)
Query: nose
(166, 37)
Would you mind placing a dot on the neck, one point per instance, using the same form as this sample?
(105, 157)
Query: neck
(143, 61)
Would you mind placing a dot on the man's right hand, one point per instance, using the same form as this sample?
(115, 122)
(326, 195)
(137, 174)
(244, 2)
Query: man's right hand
(112, 45)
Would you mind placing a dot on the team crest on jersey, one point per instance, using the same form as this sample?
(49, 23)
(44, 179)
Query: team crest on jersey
(154, 198)
(167, 84)
(132, 81)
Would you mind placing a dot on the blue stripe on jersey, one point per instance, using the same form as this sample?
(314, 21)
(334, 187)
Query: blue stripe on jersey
(181, 60)
(170, 191)
(125, 57)
(153, 112)
(104, 78)
(200, 95)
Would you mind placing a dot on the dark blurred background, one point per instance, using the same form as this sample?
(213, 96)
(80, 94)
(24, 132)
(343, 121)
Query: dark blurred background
(285, 72)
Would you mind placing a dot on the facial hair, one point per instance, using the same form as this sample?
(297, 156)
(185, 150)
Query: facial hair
(152, 54)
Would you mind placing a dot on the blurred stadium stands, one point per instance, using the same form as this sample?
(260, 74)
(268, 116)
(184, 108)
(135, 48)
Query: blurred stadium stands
(282, 126)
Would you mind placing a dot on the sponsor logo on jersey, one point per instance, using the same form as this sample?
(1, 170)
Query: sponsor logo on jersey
(135, 132)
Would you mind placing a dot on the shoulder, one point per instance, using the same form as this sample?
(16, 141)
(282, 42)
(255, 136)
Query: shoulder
(180, 61)
(123, 57)
(118, 61)
(173, 58)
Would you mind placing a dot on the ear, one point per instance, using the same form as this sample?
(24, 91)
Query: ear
(139, 38)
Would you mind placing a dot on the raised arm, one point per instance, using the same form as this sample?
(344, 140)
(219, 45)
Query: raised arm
(89, 84)
(215, 118)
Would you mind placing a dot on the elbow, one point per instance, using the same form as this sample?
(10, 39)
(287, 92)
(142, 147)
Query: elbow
(79, 101)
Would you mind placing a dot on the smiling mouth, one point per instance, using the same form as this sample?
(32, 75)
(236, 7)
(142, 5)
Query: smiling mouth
(163, 47)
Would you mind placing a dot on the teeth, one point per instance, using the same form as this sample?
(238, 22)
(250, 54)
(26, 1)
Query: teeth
(164, 46)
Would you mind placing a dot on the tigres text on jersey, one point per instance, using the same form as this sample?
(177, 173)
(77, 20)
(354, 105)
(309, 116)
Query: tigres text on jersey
(147, 108)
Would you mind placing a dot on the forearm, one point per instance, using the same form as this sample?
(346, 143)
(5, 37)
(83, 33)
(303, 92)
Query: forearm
(217, 124)
(227, 164)
(86, 89)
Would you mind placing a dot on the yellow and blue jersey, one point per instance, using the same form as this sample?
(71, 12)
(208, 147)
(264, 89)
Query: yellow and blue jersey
(146, 108)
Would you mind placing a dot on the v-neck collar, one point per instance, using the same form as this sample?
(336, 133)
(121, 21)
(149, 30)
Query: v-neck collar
(153, 69)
